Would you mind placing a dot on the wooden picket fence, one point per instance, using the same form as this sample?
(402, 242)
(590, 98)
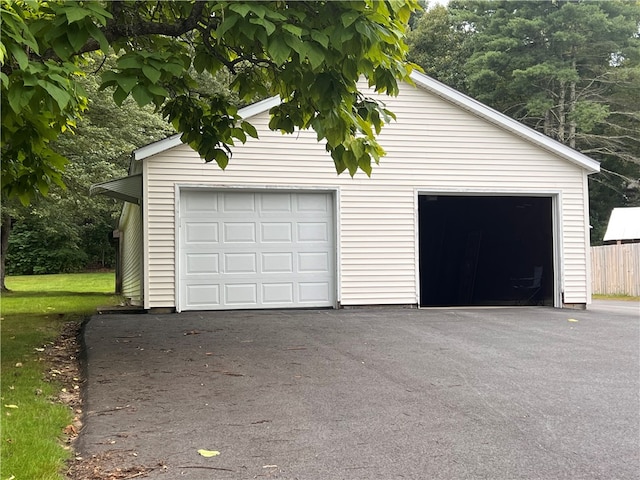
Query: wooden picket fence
(615, 269)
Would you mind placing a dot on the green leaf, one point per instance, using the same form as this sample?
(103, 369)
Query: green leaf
(77, 37)
(43, 186)
(321, 38)
(158, 90)
(201, 62)
(249, 129)
(227, 24)
(349, 17)
(259, 10)
(62, 47)
(141, 95)
(126, 83)
(279, 50)
(268, 26)
(61, 96)
(241, 8)
(20, 55)
(315, 56)
(96, 33)
(98, 11)
(119, 96)
(129, 61)
(151, 73)
(293, 29)
(75, 14)
(221, 158)
(239, 134)
(175, 69)
(17, 99)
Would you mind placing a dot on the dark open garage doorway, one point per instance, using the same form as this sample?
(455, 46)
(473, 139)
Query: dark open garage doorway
(485, 250)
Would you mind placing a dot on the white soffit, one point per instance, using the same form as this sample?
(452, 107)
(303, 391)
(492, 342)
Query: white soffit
(624, 224)
(508, 123)
(128, 188)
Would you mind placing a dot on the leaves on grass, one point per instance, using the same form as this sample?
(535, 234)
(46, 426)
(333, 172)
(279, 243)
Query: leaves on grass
(70, 430)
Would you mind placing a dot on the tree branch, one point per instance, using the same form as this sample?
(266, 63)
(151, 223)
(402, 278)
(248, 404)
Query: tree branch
(118, 28)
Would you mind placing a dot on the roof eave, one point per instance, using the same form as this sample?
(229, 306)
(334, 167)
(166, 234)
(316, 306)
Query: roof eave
(175, 140)
(128, 189)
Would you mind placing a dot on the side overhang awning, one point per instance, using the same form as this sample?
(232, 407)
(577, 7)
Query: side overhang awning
(128, 189)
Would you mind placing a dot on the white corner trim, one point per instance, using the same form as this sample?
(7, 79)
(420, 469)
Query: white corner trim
(450, 94)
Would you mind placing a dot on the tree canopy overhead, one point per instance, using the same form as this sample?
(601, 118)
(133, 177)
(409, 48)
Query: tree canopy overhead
(310, 53)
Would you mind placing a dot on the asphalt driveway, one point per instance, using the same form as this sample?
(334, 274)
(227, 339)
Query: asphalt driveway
(495, 393)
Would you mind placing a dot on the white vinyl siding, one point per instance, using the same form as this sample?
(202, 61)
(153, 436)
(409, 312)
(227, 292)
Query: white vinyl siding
(131, 253)
(434, 146)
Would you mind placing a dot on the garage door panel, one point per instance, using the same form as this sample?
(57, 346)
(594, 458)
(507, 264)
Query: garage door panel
(201, 232)
(312, 203)
(313, 292)
(275, 203)
(277, 293)
(276, 232)
(239, 232)
(256, 250)
(204, 296)
(200, 202)
(317, 262)
(234, 202)
(313, 232)
(277, 262)
(202, 263)
(239, 263)
(244, 294)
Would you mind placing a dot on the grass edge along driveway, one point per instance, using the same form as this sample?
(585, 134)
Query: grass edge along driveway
(33, 315)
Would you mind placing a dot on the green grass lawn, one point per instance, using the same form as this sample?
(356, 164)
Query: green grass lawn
(33, 314)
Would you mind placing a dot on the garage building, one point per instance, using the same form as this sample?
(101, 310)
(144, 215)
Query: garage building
(468, 207)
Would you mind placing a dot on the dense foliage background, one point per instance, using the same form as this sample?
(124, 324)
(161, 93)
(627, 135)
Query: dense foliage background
(69, 231)
(567, 68)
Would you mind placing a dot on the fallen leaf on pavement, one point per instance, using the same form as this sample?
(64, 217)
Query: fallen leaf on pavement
(208, 453)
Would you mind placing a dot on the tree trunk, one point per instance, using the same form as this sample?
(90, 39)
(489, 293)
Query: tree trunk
(547, 124)
(572, 107)
(4, 234)
(562, 112)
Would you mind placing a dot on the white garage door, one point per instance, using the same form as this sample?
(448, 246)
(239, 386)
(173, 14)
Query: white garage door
(256, 250)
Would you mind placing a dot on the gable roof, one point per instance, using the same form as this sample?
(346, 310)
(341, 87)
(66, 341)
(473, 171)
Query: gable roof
(436, 88)
(624, 224)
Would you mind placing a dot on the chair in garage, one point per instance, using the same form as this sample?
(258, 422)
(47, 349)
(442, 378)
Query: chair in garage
(528, 288)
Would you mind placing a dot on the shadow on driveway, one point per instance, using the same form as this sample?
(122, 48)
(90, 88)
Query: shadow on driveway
(508, 393)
